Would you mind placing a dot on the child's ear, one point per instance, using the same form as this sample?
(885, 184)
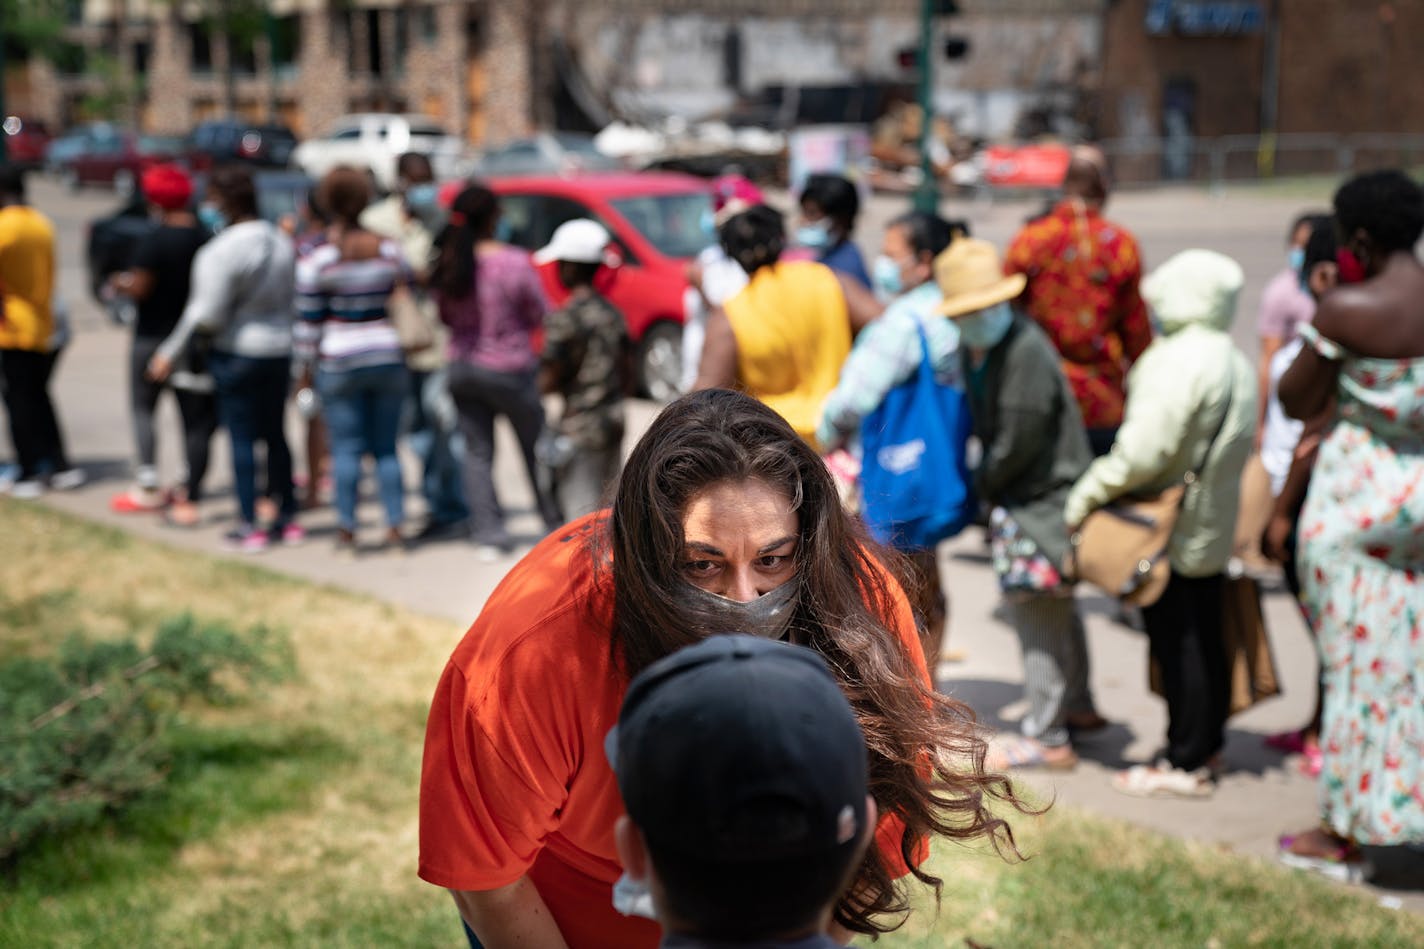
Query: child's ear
(632, 850)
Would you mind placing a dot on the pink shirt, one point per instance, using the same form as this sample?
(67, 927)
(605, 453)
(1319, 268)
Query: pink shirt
(1284, 307)
(492, 327)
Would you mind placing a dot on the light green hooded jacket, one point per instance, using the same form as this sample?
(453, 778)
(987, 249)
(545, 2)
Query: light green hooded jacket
(1176, 395)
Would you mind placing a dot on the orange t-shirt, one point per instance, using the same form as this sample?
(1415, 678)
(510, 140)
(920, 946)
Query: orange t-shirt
(515, 780)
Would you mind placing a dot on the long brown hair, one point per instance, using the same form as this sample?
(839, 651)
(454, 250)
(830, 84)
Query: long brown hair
(926, 750)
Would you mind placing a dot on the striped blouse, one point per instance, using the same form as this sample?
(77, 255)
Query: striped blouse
(341, 305)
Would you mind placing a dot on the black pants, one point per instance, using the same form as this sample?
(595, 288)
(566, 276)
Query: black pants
(1100, 440)
(34, 427)
(1185, 632)
(197, 409)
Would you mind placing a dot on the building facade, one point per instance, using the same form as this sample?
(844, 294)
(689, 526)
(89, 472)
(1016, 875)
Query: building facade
(1179, 71)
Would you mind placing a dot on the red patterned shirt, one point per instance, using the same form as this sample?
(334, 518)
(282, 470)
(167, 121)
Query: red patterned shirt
(1083, 273)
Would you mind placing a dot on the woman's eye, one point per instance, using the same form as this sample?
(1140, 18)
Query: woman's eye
(698, 567)
(773, 561)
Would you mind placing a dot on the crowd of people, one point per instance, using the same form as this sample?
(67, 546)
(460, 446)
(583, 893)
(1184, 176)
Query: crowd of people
(1059, 380)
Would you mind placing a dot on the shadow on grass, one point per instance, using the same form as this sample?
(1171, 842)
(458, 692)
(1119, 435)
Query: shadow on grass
(218, 777)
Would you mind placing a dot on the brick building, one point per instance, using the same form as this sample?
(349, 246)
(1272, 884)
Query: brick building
(491, 69)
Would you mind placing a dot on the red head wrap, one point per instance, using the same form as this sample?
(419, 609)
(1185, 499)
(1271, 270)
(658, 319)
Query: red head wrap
(167, 186)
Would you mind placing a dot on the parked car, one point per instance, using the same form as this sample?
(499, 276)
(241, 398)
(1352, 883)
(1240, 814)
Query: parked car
(25, 141)
(69, 145)
(549, 153)
(116, 157)
(374, 141)
(229, 140)
(112, 238)
(657, 222)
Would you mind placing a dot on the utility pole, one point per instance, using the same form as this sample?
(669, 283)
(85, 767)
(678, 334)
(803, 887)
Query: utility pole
(4, 32)
(927, 193)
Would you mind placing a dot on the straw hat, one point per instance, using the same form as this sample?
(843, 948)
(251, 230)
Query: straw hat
(971, 278)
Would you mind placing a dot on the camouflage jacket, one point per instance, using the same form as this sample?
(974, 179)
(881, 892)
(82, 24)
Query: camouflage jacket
(586, 350)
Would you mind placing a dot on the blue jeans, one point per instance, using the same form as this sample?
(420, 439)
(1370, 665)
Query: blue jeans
(362, 408)
(430, 438)
(252, 397)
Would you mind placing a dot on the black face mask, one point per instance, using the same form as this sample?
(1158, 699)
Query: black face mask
(768, 615)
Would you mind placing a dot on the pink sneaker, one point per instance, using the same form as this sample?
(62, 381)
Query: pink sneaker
(290, 535)
(247, 540)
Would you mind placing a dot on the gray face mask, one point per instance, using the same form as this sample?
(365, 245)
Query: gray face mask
(768, 615)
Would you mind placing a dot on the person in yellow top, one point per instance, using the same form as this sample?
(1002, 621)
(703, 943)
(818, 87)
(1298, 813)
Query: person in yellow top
(26, 325)
(784, 337)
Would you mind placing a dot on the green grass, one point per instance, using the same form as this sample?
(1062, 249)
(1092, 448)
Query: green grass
(290, 820)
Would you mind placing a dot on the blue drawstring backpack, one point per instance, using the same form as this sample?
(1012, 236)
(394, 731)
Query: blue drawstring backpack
(914, 481)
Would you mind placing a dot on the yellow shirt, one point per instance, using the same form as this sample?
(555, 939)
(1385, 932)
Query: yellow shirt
(26, 278)
(793, 334)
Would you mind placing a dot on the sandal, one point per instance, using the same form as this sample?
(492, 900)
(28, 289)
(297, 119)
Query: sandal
(1163, 780)
(134, 502)
(184, 514)
(1344, 863)
(1014, 752)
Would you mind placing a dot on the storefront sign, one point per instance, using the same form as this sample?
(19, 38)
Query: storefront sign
(1204, 17)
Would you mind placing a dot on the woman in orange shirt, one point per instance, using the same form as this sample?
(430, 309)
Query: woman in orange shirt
(724, 520)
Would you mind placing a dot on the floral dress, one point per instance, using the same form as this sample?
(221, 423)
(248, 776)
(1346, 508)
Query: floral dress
(1362, 574)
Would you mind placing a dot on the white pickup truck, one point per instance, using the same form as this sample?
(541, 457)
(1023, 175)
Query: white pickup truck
(374, 140)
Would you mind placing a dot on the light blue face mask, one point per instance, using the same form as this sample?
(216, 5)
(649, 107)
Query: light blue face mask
(814, 236)
(987, 328)
(1296, 258)
(211, 218)
(503, 231)
(885, 274)
(422, 198)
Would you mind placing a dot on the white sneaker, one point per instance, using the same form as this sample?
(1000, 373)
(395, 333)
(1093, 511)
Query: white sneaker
(27, 490)
(68, 479)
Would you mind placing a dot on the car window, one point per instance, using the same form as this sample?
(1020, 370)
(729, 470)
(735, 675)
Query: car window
(431, 131)
(516, 212)
(346, 134)
(673, 223)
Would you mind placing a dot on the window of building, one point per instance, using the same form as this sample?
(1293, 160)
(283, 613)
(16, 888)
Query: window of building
(375, 53)
(201, 47)
(401, 39)
(428, 25)
(286, 40)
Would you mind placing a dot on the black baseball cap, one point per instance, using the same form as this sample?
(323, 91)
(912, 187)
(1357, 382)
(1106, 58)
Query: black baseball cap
(740, 760)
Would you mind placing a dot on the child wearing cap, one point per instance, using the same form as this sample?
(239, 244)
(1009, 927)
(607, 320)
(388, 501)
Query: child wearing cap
(744, 773)
(585, 360)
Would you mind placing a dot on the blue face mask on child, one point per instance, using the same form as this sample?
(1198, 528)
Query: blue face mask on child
(814, 236)
(987, 328)
(1296, 258)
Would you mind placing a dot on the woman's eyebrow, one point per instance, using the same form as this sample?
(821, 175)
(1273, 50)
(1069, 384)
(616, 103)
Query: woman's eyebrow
(703, 548)
(788, 539)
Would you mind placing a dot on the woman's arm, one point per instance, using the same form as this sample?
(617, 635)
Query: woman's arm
(718, 368)
(861, 305)
(511, 917)
(1270, 345)
(1308, 385)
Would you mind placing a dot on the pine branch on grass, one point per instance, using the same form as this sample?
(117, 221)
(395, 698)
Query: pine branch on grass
(82, 734)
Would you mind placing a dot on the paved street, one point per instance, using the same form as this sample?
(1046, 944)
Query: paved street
(1261, 797)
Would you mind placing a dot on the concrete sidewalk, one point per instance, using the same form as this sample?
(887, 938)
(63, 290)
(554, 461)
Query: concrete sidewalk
(1261, 797)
